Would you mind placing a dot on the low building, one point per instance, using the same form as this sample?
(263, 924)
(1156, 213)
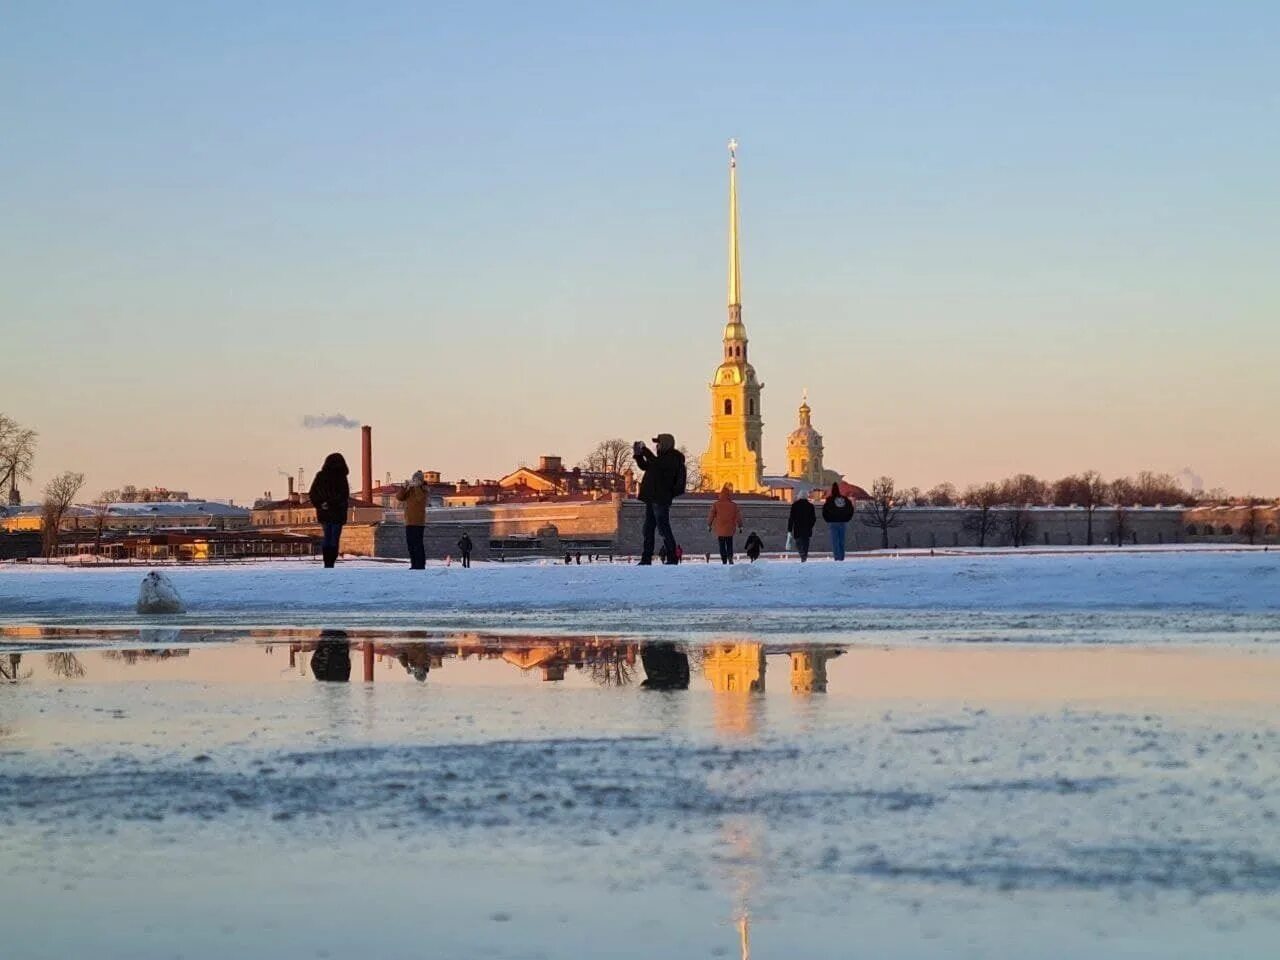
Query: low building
(551, 480)
(134, 516)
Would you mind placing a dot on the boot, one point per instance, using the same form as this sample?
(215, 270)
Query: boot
(330, 557)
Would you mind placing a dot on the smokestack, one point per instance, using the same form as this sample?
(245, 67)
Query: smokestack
(290, 487)
(366, 461)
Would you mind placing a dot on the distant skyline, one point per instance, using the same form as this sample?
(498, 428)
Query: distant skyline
(989, 239)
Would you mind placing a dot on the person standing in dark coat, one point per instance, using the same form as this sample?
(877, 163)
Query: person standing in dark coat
(800, 525)
(753, 546)
(665, 667)
(331, 497)
(664, 480)
(837, 510)
(464, 550)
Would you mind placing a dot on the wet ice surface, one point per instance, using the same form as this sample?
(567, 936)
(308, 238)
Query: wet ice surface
(974, 800)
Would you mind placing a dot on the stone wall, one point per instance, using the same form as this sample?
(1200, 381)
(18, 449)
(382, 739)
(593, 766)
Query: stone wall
(917, 527)
(1232, 524)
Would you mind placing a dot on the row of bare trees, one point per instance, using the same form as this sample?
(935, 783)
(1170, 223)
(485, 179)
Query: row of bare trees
(1005, 506)
(614, 456)
(17, 455)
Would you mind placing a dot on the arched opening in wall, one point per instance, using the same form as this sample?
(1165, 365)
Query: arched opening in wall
(1227, 531)
(1191, 530)
(728, 407)
(728, 449)
(804, 466)
(793, 466)
(739, 352)
(751, 407)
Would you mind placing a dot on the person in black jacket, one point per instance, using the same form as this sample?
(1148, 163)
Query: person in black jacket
(837, 510)
(800, 525)
(665, 667)
(464, 549)
(753, 546)
(664, 480)
(331, 496)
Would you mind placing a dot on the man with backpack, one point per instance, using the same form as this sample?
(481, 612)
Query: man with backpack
(664, 480)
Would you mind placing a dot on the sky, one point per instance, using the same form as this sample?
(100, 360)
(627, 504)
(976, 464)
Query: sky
(987, 237)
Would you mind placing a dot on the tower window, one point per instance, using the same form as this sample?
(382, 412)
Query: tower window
(728, 407)
(728, 449)
(751, 407)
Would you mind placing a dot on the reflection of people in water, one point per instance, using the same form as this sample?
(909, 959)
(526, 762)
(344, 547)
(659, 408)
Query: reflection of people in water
(416, 660)
(331, 659)
(665, 667)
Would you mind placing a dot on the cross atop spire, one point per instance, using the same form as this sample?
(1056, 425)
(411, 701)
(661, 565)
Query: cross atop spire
(735, 281)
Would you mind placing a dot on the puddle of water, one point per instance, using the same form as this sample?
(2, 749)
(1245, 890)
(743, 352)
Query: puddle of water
(304, 793)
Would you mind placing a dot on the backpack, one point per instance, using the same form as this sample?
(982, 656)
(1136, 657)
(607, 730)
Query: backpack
(681, 480)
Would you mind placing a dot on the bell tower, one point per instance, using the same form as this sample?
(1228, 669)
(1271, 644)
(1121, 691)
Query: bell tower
(734, 455)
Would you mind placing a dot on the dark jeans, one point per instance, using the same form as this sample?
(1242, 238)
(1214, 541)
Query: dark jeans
(657, 516)
(466, 559)
(837, 540)
(332, 533)
(802, 546)
(726, 549)
(417, 549)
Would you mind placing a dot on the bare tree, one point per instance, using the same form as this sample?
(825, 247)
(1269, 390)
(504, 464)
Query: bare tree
(1019, 524)
(59, 493)
(693, 470)
(1121, 523)
(101, 511)
(1086, 490)
(883, 508)
(943, 495)
(608, 456)
(17, 453)
(981, 521)
(1251, 526)
(1024, 489)
(128, 493)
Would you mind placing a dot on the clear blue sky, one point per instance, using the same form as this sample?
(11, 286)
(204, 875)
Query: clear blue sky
(987, 237)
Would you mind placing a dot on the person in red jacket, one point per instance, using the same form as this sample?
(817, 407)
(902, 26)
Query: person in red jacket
(724, 520)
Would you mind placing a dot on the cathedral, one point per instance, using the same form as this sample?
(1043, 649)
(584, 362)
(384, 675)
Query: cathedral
(734, 456)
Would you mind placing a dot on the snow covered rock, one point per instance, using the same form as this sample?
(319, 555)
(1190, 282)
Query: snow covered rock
(158, 595)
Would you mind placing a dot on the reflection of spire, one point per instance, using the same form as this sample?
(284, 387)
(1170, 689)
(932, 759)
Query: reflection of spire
(735, 282)
(744, 935)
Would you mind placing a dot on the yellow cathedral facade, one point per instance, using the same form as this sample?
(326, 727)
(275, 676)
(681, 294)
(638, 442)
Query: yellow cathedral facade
(734, 455)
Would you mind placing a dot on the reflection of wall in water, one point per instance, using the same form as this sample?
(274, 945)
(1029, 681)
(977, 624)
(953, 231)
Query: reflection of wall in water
(809, 669)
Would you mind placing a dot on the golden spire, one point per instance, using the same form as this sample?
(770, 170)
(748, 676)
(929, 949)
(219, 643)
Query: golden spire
(735, 283)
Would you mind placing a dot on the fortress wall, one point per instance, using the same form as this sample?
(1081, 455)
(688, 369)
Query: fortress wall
(918, 527)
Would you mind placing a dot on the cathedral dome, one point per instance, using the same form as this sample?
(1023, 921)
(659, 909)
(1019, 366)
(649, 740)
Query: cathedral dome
(804, 437)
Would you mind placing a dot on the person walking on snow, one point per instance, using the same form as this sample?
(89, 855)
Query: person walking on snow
(724, 519)
(837, 510)
(800, 525)
(464, 549)
(753, 546)
(331, 496)
(414, 497)
(664, 480)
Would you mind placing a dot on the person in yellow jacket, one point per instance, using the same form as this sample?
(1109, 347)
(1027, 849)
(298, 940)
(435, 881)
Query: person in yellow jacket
(414, 497)
(725, 519)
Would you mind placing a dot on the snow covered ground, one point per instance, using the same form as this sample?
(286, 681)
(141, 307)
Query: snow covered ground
(692, 594)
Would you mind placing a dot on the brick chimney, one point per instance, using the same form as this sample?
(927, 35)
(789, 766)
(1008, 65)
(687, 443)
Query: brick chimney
(366, 462)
